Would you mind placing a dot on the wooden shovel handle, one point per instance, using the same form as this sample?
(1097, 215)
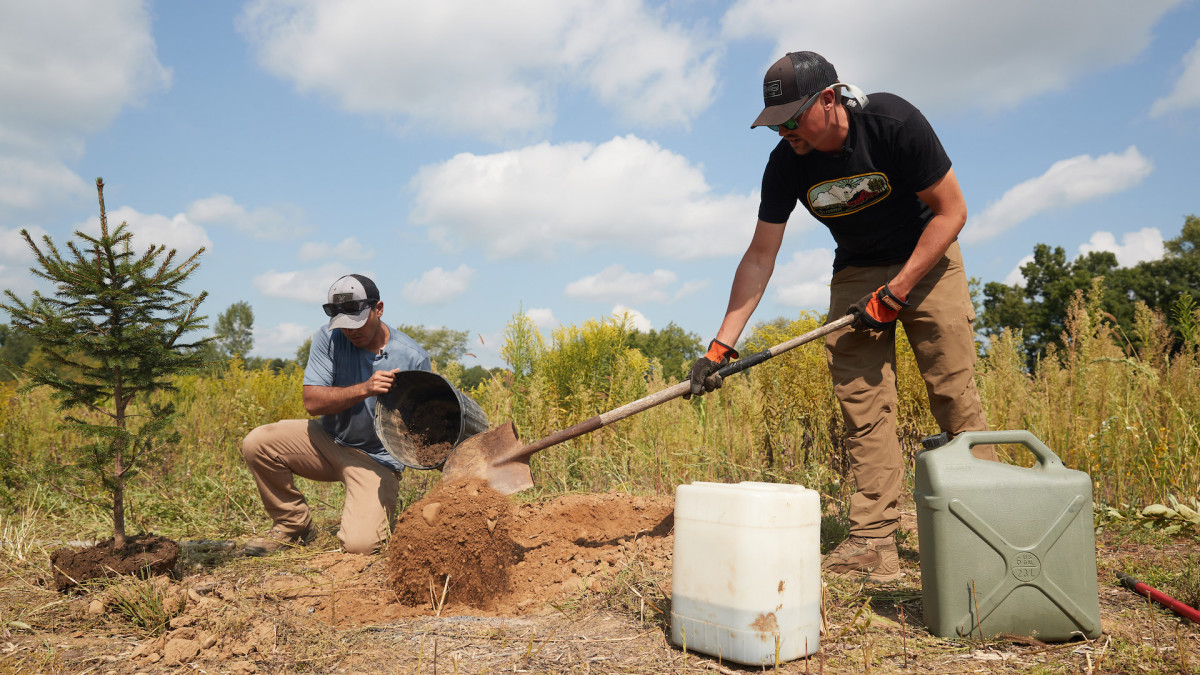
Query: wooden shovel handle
(675, 391)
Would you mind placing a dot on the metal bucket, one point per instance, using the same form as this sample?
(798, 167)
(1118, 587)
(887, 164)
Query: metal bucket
(424, 417)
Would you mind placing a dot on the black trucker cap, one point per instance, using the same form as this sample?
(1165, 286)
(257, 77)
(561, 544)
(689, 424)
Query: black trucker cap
(790, 82)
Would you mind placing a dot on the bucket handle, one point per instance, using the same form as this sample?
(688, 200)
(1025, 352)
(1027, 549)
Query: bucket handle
(1045, 456)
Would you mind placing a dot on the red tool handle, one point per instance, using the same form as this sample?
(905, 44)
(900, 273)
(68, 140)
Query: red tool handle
(1158, 596)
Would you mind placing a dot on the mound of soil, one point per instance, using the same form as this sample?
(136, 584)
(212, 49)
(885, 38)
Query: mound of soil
(143, 555)
(560, 548)
(455, 546)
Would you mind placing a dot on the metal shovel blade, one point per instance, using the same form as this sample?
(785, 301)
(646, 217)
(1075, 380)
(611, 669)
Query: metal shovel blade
(489, 456)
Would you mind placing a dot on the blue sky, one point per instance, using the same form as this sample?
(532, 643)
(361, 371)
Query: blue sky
(566, 158)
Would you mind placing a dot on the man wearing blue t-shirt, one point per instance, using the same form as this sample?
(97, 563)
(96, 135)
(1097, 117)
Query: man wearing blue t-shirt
(877, 176)
(352, 360)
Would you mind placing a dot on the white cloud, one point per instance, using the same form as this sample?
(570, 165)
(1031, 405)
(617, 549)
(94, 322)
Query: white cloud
(1186, 93)
(18, 280)
(541, 197)
(691, 288)
(636, 319)
(1015, 278)
(502, 61)
(615, 282)
(14, 248)
(438, 285)
(1135, 247)
(954, 55)
(543, 318)
(277, 222)
(67, 69)
(349, 248)
(15, 260)
(803, 281)
(1067, 182)
(309, 286)
(282, 339)
(27, 182)
(177, 232)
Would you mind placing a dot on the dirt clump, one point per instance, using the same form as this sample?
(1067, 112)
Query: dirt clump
(456, 541)
(143, 555)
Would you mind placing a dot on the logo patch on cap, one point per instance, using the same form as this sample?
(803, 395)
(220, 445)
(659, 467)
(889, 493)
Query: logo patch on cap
(773, 88)
(342, 297)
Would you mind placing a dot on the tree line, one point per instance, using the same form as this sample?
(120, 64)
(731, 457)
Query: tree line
(1169, 286)
(1037, 307)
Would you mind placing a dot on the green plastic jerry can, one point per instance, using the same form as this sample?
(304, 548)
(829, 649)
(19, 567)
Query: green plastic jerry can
(1005, 549)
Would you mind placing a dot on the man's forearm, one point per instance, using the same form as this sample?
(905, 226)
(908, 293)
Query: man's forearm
(937, 237)
(332, 400)
(749, 284)
(750, 280)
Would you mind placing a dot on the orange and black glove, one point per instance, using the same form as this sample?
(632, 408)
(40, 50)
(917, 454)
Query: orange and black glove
(704, 375)
(878, 310)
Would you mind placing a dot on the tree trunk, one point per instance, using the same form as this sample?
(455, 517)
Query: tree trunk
(118, 488)
(119, 512)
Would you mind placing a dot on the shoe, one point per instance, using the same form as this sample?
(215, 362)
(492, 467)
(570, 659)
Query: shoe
(865, 559)
(278, 540)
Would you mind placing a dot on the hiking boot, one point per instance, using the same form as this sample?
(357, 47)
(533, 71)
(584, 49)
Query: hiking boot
(277, 540)
(866, 559)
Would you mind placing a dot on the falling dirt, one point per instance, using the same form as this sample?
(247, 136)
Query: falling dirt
(143, 555)
(424, 435)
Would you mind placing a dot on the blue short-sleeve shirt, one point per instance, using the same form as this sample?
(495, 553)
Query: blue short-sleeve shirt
(334, 361)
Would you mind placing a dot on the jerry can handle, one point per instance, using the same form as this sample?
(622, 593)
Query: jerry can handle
(1045, 456)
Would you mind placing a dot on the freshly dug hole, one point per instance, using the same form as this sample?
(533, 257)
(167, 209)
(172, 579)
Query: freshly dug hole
(460, 530)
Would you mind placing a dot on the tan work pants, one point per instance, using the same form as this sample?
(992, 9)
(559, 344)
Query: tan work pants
(277, 452)
(938, 323)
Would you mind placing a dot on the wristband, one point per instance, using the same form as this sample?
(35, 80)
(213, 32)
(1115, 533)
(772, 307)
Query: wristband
(718, 351)
(887, 297)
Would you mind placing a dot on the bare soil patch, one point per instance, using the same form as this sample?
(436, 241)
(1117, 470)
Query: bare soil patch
(143, 555)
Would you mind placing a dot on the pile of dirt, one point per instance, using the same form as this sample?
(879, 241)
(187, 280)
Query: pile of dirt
(143, 555)
(455, 546)
(560, 548)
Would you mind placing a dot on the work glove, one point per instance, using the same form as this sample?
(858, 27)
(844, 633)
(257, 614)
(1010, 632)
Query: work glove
(877, 310)
(704, 375)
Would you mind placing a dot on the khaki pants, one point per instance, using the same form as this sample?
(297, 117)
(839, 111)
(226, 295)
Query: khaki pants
(862, 363)
(276, 452)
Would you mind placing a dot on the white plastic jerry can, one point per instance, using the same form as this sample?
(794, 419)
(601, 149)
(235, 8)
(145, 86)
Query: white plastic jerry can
(746, 571)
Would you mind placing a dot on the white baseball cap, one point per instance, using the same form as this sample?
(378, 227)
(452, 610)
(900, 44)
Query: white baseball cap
(350, 301)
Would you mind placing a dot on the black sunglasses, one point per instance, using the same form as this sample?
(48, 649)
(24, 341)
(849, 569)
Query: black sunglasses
(347, 307)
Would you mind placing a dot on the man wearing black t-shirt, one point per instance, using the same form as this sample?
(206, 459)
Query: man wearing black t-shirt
(872, 170)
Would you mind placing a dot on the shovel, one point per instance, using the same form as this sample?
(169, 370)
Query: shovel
(497, 455)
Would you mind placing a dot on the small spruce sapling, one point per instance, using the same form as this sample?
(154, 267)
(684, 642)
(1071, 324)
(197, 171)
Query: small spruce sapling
(113, 333)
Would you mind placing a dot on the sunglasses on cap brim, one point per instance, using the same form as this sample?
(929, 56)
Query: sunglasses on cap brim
(347, 307)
